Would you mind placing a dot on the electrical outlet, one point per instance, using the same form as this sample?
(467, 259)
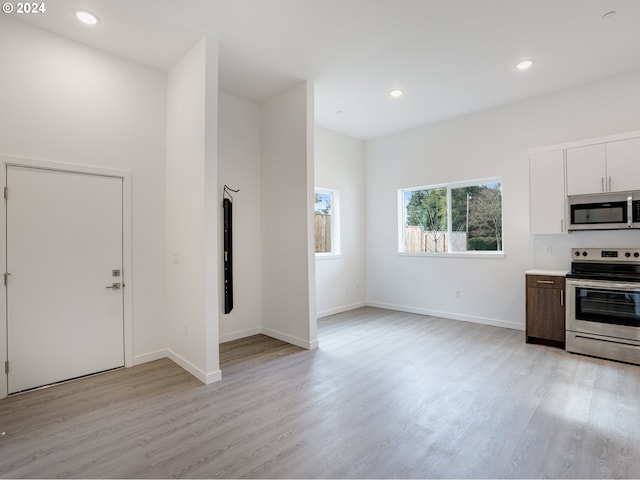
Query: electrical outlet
(457, 293)
(548, 250)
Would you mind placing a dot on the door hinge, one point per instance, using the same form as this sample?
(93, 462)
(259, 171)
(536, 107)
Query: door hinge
(6, 366)
(6, 193)
(6, 278)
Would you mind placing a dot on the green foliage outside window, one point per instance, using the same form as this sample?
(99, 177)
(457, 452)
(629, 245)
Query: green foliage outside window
(475, 213)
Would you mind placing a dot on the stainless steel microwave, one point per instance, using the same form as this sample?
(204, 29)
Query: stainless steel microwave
(610, 211)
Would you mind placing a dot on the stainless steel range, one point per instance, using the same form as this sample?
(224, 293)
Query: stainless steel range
(603, 303)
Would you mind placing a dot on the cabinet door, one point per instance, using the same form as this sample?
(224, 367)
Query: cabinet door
(546, 182)
(545, 308)
(623, 165)
(586, 169)
(545, 314)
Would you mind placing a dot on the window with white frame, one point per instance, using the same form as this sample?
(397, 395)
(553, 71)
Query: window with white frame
(327, 221)
(451, 218)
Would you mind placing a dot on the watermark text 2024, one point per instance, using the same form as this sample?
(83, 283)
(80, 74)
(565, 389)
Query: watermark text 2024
(24, 8)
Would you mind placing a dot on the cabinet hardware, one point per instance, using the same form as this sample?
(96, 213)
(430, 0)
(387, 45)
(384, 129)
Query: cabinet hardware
(602, 184)
(562, 297)
(609, 184)
(548, 282)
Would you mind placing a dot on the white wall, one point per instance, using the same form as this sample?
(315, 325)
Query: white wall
(339, 165)
(486, 144)
(212, 247)
(288, 270)
(239, 167)
(192, 212)
(62, 101)
(65, 102)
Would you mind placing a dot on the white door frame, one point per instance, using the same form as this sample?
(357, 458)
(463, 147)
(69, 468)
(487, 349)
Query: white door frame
(9, 160)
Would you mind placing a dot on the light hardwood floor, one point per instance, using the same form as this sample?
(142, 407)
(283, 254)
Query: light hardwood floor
(388, 394)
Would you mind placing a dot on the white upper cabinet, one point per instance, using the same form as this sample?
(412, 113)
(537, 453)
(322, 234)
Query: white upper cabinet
(623, 165)
(586, 169)
(598, 165)
(604, 167)
(547, 197)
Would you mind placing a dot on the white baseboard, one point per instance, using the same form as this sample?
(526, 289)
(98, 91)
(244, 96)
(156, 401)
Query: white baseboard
(216, 376)
(345, 308)
(150, 357)
(290, 339)
(213, 377)
(205, 378)
(241, 334)
(449, 315)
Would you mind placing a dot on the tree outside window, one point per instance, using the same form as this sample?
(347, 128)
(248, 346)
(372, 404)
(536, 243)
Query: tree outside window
(426, 217)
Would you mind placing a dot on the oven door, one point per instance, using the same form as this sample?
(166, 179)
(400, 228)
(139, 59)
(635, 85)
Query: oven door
(604, 308)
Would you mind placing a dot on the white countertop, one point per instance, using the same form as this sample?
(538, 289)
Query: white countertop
(540, 271)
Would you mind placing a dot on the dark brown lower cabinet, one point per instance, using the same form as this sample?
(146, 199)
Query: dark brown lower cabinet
(545, 310)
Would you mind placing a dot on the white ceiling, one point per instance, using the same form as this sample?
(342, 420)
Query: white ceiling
(451, 57)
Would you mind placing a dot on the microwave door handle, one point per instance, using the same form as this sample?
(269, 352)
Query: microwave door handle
(629, 211)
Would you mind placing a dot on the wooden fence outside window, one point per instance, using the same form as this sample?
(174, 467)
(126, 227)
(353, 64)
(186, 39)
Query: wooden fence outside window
(322, 225)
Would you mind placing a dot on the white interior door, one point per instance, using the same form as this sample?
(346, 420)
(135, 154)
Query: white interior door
(64, 241)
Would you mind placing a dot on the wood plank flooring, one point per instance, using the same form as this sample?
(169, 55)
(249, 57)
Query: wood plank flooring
(387, 395)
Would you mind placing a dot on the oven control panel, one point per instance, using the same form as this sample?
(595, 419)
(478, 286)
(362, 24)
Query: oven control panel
(617, 255)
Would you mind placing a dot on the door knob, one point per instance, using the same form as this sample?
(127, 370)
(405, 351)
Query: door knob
(114, 286)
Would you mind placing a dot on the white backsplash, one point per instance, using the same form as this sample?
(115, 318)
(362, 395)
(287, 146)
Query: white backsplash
(554, 251)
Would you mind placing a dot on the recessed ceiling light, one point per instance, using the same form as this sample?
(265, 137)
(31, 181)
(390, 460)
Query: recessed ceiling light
(524, 64)
(86, 17)
(609, 14)
(396, 93)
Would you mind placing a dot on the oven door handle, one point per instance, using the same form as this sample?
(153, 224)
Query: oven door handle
(626, 286)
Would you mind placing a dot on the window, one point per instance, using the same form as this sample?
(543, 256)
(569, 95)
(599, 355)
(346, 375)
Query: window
(450, 218)
(326, 221)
